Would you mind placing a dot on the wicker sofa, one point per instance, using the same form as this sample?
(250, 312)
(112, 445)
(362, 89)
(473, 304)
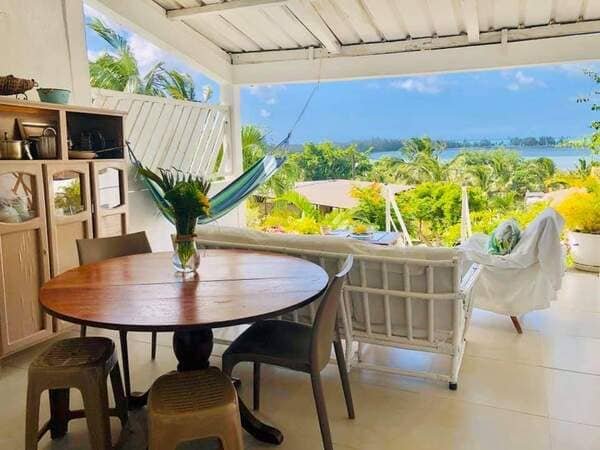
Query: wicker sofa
(415, 298)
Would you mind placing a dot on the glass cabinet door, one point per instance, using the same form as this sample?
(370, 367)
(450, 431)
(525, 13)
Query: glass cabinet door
(66, 187)
(18, 199)
(109, 188)
(109, 180)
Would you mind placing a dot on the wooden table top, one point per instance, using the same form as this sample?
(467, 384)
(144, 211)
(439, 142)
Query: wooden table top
(144, 293)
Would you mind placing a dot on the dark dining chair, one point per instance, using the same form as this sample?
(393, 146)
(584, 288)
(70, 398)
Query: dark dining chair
(95, 250)
(298, 347)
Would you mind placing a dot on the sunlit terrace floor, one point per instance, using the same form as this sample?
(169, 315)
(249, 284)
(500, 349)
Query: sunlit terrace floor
(540, 390)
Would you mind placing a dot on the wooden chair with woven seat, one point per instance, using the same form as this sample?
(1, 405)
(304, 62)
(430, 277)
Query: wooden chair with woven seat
(83, 364)
(298, 347)
(185, 406)
(94, 250)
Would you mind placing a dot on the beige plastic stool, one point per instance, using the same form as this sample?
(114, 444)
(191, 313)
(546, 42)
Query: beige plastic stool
(80, 363)
(185, 406)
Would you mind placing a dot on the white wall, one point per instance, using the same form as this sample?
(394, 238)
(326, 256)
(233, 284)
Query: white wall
(143, 215)
(45, 40)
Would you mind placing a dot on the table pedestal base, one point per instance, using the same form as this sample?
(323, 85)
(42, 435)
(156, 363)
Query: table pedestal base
(193, 349)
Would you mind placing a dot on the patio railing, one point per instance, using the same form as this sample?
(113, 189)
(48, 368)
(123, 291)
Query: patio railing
(173, 133)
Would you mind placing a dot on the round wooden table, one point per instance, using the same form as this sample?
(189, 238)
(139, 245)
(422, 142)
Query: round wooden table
(144, 293)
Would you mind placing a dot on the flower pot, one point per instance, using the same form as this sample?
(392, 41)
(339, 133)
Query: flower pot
(585, 249)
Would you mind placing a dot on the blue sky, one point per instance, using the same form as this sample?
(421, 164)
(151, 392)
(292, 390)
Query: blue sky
(472, 105)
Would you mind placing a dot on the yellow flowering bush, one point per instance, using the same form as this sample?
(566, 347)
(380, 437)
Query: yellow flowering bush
(581, 211)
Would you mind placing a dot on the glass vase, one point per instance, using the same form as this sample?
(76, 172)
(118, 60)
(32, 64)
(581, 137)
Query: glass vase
(186, 257)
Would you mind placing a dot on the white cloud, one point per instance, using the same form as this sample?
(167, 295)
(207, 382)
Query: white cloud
(424, 85)
(524, 79)
(93, 55)
(519, 80)
(267, 93)
(264, 113)
(147, 54)
(578, 69)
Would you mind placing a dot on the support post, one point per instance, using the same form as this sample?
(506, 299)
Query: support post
(230, 96)
(465, 216)
(388, 208)
(77, 51)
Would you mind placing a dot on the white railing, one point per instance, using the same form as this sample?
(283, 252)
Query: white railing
(173, 133)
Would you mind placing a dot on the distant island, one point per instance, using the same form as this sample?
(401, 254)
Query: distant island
(377, 145)
(390, 145)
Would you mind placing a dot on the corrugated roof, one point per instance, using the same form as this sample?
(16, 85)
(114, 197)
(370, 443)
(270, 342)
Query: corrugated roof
(240, 26)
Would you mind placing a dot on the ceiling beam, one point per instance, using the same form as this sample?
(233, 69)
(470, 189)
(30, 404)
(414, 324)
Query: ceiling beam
(306, 13)
(427, 43)
(471, 18)
(218, 8)
(149, 20)
(356, 63)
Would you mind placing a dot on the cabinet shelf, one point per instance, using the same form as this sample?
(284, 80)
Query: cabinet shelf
(81, 128)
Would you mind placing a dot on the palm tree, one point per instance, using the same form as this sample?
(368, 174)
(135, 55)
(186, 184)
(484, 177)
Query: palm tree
(178, 85)
(119, 71)
(417, 147)
(482, 176)
(423, 162)
(254, 147)
(181, 86)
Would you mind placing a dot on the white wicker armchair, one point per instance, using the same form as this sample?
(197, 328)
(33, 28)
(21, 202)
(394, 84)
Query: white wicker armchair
(414, 298)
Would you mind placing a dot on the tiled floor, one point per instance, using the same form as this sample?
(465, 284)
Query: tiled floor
(540, 390)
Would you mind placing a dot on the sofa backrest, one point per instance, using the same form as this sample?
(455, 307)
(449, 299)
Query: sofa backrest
(407, 292)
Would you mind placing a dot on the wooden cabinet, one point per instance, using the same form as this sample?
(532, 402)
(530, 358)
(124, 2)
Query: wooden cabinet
(46, 205)
(24, 258)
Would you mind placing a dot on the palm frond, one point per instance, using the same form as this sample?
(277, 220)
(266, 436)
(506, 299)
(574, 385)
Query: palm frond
(307, 209)
(117, 41)
(179, 85)
(152, 82)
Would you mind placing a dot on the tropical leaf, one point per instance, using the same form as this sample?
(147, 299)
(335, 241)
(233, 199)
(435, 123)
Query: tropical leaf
(153, 80)
(117, 41)
(178, 85)
(307, 209)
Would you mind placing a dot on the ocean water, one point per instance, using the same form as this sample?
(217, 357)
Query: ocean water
(565, 158)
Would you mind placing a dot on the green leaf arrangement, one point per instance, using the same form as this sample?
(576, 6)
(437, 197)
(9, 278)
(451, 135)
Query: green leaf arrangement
(184, 201)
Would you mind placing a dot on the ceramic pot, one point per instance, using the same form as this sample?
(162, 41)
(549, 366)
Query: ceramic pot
(585, 249)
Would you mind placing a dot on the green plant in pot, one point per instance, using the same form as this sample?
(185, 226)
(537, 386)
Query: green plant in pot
(186, 201)
(581, 211)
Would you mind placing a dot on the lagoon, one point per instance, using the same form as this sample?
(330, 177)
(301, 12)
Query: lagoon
(565, 158)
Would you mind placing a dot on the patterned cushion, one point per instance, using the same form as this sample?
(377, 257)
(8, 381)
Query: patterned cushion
(504, 238)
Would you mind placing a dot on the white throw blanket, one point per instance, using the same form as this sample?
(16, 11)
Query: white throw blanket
(526, 279)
